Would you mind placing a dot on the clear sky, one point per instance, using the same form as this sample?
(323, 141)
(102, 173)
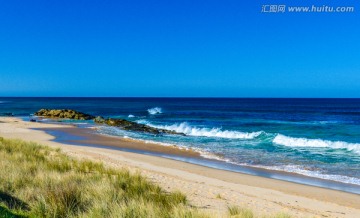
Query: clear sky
(186, 48)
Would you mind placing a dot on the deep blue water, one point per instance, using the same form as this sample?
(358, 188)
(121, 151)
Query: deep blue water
(314, 137)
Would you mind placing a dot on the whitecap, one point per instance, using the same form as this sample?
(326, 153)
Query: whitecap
(155, 110)
(315, 143)
(131, 116)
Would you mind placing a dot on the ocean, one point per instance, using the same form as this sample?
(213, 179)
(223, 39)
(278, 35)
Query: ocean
(318, 138)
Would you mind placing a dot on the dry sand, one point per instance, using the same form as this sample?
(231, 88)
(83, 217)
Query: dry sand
(210, 189)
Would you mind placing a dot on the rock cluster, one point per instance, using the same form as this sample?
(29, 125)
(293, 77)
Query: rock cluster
(63, 113)
(121, 123)
(133, 126)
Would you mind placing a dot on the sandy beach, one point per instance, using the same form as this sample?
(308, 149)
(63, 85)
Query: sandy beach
(209, 189)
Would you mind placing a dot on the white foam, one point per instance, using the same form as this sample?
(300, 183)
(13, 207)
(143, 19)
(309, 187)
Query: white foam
(209, 155)
(143, 122)
(155, 110)
(313, 173)
(131, 116)
(204, 132)
(316, 143)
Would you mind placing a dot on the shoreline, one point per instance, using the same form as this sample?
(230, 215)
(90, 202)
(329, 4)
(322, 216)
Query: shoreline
(88, 137)
(201, 183)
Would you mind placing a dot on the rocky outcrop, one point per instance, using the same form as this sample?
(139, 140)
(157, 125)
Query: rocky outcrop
(121, 123)
(64, 114)
(133, 126)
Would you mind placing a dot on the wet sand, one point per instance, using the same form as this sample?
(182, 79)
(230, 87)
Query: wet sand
(89, 137)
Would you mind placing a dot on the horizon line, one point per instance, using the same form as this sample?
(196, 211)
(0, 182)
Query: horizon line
(196, 97)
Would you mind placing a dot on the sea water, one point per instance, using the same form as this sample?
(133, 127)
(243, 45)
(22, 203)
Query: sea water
(318, 138)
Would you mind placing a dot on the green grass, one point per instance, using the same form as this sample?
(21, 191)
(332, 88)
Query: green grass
(239, 212)
(38, 181)
(235, 211)
(282, 215)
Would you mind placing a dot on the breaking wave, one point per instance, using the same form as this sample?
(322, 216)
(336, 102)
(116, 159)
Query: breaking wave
(204, 132)
(155, 110)
(316, 143)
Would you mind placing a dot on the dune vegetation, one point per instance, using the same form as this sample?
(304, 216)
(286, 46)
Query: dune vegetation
(39, 181)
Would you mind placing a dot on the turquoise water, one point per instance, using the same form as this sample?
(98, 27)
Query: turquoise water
(313, 137)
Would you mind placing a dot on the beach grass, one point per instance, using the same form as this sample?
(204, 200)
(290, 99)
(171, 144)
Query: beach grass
(241, 212)
(235, 211)
(38, 181)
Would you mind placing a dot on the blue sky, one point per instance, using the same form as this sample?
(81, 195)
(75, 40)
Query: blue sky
(177, 48)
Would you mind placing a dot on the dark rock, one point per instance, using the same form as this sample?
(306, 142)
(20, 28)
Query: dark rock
(133, 126)
(63, 113)
(32, 120)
